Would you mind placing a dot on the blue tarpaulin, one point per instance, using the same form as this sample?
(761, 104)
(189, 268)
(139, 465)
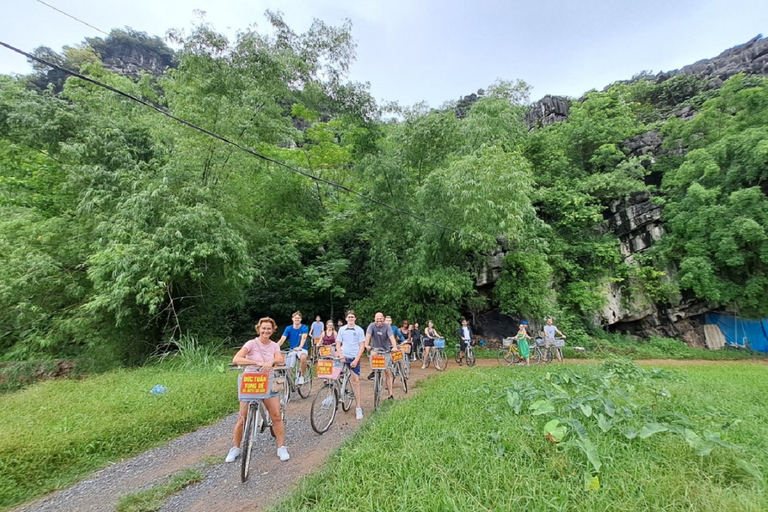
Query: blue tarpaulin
(740, 331)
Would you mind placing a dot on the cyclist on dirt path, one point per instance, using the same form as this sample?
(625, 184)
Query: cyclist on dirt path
(297, 334)
(350, 343)
(316, 330)
(264, 353)
(379, 335)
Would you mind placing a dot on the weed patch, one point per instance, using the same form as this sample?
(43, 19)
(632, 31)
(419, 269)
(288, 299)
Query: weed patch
(587, 437)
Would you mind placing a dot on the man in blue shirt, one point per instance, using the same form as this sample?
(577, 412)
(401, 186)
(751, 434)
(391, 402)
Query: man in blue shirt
(297, 335)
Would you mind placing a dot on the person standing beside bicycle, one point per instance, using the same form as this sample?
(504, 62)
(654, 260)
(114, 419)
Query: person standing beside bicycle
(297, 336)
(430, 335)
(414, 335)
(261, 353)
(550, 332)
(350, 343)
(379, 336)
(522, 338)
(465, 338)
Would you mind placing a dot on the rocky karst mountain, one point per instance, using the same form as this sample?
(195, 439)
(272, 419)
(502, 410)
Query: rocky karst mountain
(637, 222)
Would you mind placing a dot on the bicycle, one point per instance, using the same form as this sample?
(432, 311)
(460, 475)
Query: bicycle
(254, 387)
(509, 354)
(304, 389)
(378, 365)
(554, 347)
(419, 351)
(337, 388)
(399, 365)
(437, 355)
(469, 353)
(538, 351)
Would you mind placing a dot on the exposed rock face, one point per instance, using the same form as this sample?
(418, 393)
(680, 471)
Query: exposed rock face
(548, 110)
(750, 57)
(131, 60)
(637, 224)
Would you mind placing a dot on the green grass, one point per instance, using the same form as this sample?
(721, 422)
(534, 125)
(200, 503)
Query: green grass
(56, 432)
(612, 345)
(459, 445)
(152, 499)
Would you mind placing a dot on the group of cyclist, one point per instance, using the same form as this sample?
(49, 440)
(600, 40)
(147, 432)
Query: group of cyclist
(350, 341)
(549, 333)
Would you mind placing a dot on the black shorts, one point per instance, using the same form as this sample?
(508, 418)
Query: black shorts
(463, 345)
(428, 342)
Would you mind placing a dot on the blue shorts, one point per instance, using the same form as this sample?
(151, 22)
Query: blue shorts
(356, 369)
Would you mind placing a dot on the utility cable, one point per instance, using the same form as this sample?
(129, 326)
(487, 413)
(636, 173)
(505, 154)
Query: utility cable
(73, 17)
(235, 144)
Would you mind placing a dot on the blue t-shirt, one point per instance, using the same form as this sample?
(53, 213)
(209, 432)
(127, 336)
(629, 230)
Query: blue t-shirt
(397, 333)
(294, 335)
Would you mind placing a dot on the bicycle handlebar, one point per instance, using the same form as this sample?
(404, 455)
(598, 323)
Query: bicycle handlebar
(238, 367)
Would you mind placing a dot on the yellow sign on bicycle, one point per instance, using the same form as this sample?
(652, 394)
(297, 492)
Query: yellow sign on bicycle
(378, 362)
(326, 351)
(324, 368)
(406, 348)
(397, 355)
(253, 386)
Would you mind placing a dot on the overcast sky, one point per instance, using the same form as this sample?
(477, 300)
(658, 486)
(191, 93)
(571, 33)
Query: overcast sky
(438, 50)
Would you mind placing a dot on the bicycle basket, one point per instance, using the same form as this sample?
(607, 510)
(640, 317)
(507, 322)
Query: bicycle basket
(508, 342)
(440, 343)
(253, 386)
(329, 368)
(378, 362)
(559, 342)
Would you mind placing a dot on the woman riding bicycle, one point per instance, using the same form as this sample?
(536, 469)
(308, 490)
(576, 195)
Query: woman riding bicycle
(329, 335)
(430, 335)
(260, 353)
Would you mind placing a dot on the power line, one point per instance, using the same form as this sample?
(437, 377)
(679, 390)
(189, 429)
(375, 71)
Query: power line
(235, 144)
(73, 17)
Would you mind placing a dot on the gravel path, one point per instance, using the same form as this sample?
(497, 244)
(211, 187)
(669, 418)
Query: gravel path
(204, 449)
(221, 489)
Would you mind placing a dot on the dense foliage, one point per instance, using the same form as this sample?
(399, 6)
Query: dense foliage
(121, 229)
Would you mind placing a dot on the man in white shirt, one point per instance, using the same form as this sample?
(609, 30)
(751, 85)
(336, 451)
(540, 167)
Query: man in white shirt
(550, 331)
(350, 343)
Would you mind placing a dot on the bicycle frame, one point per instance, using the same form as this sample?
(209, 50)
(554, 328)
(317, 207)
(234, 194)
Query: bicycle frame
(257, 419)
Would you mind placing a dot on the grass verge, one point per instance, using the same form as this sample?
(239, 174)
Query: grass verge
(692, 439)
(152, 499)
(56, 432)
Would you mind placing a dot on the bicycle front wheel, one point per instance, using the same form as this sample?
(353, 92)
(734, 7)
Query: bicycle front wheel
(441, 359)
(323, 409)
(377, 385)
(305, 389)
(403, 378)
(470, 356)
(253, 422)
(538, 357)
(348, 394)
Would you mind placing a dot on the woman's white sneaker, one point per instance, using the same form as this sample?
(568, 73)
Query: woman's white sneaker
(359, 413)
(282, 452)
(234, 453)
